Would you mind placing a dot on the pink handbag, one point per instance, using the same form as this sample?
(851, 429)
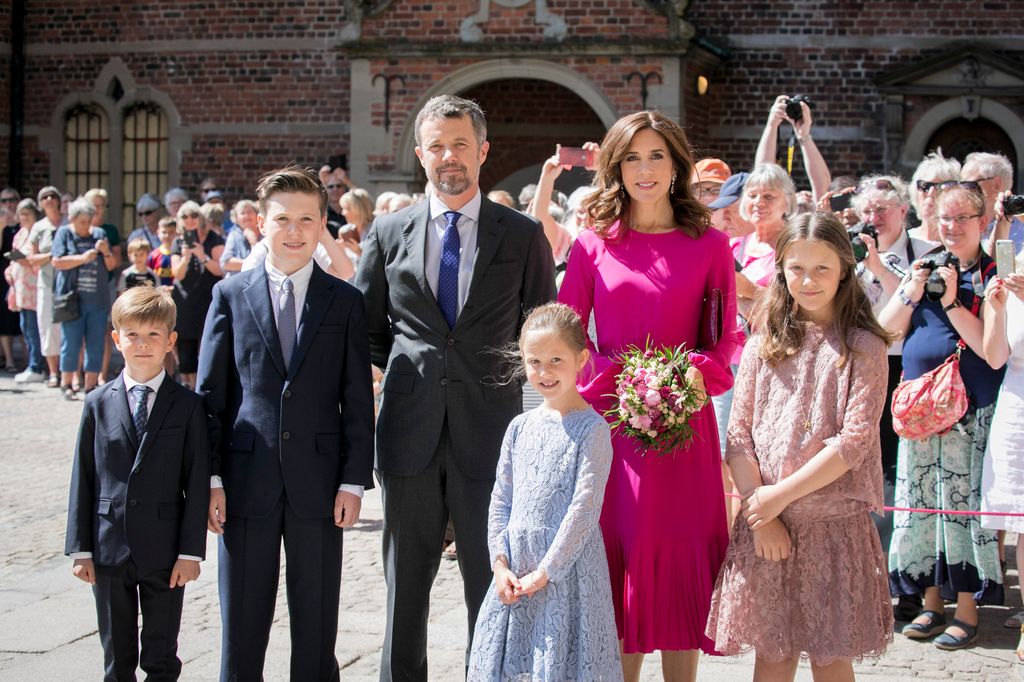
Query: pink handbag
(932, 403)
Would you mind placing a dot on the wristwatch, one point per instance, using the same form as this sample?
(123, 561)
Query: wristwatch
(955, 304)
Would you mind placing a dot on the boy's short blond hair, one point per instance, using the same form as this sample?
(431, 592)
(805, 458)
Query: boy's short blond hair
(144, 305)
(140, 244)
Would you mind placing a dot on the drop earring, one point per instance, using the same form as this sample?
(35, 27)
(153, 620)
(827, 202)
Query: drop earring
(672, 185)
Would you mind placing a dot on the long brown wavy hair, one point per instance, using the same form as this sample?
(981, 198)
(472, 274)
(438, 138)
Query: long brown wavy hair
(610, 201)
(777, 317)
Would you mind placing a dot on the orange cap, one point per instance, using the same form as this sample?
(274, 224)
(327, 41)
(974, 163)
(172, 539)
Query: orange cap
(710, 170)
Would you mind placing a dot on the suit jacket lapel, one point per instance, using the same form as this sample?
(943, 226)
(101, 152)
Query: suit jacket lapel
(414, 232)
(488, 238)
(118, 398)
(257, 295)
(318, 299)
(161, 406)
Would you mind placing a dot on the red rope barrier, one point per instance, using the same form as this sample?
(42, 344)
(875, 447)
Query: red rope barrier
(920, 510)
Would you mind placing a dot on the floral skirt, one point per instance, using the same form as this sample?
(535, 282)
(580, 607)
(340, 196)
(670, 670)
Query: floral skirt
(952, 552)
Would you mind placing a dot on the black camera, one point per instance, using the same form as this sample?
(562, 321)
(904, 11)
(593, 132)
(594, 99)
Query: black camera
(1013, 205)
(860, 249)
(935, 287)
(793, 109)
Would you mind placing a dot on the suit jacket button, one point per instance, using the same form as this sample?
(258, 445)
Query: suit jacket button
(132, 502)
(286, 435)
(444, 382)
(451, 342)
(287, 393)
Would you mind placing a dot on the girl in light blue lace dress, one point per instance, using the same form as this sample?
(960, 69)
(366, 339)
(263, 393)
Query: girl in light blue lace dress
(550, 615)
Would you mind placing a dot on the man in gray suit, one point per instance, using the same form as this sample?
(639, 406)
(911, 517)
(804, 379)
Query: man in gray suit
(446, 284)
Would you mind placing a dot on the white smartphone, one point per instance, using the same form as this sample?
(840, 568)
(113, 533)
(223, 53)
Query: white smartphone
(1005, 257)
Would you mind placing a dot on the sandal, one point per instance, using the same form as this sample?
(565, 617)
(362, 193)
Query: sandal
(950, 642)
(53, 381)
(1014, 621)
(936, 624)
(1020, 645)
(70, 393)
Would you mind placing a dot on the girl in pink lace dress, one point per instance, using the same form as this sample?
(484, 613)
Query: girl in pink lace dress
(804, 574)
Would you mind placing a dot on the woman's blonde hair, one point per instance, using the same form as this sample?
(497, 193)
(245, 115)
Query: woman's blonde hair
(189, 208)
(936, 168)
(611, 202)
(776, 316)
(359, 201)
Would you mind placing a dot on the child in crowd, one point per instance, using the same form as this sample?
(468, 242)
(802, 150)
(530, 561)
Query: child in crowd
(140, 488)
(550, 615)
(138, 273)
(804, 572)
(160, 257)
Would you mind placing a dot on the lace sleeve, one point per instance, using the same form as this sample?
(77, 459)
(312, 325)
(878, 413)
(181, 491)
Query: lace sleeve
(859, 436)
(739, 437)
(574, 532)
(501, 497)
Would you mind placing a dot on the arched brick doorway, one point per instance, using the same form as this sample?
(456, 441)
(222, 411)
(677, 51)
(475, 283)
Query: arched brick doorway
(960, 137)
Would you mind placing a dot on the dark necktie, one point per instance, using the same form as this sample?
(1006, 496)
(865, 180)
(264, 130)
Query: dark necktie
(141, 414)
(286, 320)
(448, 276)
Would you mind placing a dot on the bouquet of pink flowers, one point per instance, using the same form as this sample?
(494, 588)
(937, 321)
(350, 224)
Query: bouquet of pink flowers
(655, 400)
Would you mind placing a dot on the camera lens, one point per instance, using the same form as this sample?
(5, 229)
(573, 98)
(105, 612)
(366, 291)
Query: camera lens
(1013, 205)
(860, 249)
(935, 287)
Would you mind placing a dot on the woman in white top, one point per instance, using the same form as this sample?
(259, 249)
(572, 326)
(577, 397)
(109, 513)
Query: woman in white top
(1002, 478)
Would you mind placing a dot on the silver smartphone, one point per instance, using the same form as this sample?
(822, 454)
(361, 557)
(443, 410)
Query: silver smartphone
(1004, 257)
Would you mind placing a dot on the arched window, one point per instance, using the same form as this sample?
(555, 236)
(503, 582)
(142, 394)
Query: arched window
(145, 155)
(86, 148)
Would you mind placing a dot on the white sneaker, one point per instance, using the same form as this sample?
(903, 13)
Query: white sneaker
(28, 376)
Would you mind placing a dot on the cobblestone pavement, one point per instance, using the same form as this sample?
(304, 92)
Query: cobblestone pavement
(48, 623)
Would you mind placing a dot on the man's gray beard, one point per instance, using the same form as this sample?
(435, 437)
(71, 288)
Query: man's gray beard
(454, 186)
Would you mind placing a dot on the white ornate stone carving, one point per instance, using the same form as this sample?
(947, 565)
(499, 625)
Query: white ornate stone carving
(471, 30)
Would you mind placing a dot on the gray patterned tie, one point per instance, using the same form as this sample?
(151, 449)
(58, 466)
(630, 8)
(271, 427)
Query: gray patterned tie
(141, 414)
(286, 320)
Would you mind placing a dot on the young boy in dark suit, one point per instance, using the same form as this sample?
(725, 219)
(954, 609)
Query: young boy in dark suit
(285, 368)
(140, 493)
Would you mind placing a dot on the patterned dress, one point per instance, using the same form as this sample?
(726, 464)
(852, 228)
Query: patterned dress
(544, 514)
(829, 599)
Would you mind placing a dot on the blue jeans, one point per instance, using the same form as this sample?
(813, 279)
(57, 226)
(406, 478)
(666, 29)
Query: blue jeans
(30, 330)
(90, 325)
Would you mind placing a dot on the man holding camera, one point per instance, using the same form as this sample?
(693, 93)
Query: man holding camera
(994, 174)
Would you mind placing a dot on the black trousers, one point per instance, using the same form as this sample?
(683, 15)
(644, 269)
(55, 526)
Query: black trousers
(890, 448)
(416, 513)
(249, 554)
(120, 591)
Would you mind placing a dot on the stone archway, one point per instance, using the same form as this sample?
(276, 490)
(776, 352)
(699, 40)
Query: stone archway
(941, 114)
(465, 80)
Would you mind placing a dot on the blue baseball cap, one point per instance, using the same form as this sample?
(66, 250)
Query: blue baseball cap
(732, 190)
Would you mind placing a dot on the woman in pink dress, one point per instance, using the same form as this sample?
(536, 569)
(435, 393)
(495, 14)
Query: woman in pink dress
(643, 272)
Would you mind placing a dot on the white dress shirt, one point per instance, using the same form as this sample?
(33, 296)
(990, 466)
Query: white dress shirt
(468, 228)
(129, 384)
(300, 285)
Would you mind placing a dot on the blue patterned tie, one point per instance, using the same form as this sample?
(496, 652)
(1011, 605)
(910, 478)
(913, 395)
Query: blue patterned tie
(286, 321)
(448, 277)
(141, 414)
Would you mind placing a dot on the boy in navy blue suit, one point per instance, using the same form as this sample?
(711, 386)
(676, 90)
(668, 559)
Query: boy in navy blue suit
(285, 368)
(139, 494)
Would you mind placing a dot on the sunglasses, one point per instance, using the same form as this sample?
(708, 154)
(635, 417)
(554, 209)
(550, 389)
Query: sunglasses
(207, 190)
(969, 185)
(191, 215)
(146, 213)
(55, 197)
(335, 186)
(880, 184)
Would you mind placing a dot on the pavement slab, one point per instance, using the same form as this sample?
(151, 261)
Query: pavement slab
(48, 622)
